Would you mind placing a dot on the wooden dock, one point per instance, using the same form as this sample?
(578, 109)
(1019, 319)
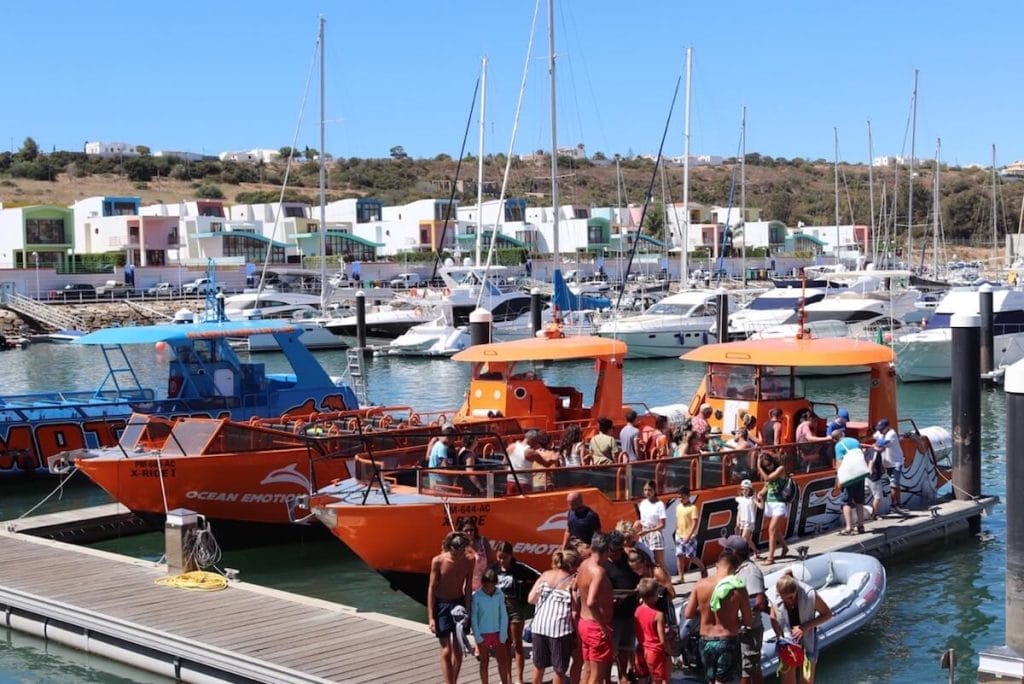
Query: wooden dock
(109, 605)
(82, 525)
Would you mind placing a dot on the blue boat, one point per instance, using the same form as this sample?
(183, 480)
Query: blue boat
(205, 378)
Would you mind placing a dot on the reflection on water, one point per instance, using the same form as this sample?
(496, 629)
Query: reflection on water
(25, 658)
(949, 596)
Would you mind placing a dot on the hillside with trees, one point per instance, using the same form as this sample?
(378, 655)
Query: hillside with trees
(787, 190)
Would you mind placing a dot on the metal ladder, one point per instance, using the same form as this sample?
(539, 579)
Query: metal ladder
(48, 315)
(115, 354)
(357, 371)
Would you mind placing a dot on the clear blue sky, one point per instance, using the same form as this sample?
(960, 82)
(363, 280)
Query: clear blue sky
(200, 75)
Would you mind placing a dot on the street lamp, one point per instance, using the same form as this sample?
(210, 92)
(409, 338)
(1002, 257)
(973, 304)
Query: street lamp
(35, 258)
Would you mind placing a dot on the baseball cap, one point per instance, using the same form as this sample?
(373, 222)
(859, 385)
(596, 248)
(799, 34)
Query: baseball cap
(843, 413)
(882, 424)
(738, 545)
(747, 484)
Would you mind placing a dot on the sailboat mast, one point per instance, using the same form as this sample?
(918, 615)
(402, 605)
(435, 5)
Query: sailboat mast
(618, 213)
(480, 161)
(323, 182)
(554, 129)
(995, 224)
(936, 212)
(910, 181)
(871, 200)
(835, 167)
(743, 193)
(684, 247)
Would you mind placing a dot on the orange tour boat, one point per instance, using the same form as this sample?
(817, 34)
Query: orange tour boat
(252, 472)
(395, 518)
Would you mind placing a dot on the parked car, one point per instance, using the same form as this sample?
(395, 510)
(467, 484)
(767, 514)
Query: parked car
(198, 286)
(162, 290)
(76, 292)
(112, 288)
(404, 281)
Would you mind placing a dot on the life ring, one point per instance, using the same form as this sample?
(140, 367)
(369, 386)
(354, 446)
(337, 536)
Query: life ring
(487, 451)
(414, 419)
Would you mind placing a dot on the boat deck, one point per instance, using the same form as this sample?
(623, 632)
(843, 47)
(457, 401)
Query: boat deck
(81, 525)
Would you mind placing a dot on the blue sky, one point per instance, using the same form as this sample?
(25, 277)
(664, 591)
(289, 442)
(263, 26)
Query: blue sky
(210, 76)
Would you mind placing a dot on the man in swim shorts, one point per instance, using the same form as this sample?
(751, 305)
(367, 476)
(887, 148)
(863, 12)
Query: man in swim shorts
(723, 606)
(451, 585)
(595, 625)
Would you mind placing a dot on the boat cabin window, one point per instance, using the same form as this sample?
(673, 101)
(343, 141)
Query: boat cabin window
(141, 432)
(727, 381)
(485, 371)
(780, 383)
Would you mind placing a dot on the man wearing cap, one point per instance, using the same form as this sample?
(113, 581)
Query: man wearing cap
(839, 422)
(753, 579)
(887, 442)
(699, 425)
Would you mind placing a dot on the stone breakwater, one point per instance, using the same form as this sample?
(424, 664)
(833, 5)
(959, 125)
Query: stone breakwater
(96, 315)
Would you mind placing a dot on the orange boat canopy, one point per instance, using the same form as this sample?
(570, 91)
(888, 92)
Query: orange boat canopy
(545, 349)
(793, 352)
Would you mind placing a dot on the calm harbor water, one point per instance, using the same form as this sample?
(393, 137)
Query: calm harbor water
(948, 596)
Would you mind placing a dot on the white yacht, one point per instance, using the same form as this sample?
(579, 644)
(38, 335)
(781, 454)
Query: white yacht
(771, 308)
(301, 309)
(926, 355)
(860, 306)
(448, 331)
(384, 322)
(669, 327)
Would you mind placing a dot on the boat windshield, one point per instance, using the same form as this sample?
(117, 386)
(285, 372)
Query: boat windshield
(664, 309)
(190, 436)
(727, 381)
(780, 383)
(141, 432)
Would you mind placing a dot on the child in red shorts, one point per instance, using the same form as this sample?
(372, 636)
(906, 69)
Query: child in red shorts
(651, 658)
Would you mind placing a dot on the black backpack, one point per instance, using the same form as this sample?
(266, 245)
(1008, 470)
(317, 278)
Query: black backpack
(788, 491)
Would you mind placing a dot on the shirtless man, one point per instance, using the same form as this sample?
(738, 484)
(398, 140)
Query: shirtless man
(720, 629)
(595, 626)
(451, 585)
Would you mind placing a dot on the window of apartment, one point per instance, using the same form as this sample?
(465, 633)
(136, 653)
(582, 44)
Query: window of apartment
(595, 235)
(44, 232)
(250, 248)
(133, 233)
(172, 236)
(441, 210)
(216, 227)
(294, 212)
(337, 245)
(207, 210)
(514, 212)
(527, 236)
(581, 212)
(367, 212)
(119, 209)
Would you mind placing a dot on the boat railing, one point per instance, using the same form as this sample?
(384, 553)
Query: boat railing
(491, 477)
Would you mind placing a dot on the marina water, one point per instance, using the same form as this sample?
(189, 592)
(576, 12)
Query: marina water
(949, 596)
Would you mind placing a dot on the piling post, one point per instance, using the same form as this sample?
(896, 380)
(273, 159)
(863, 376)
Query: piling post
(361, 321)
(535, 310)
(966, 405)
(723, 317)
(987, 339)
(995, 664)
(480, 327)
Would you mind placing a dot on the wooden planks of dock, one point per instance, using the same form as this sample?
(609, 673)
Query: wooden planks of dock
(109, 605)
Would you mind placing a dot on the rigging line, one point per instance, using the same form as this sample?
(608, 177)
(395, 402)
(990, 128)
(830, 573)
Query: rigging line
(586, 75)
(572, 82)
(287, 171)
(499, 219)
(650, 190)
(451, 196)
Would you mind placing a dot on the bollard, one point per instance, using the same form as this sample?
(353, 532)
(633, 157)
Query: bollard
(966, 405)
(179, 530)
(536, 306)
(480, 327)
(987, 345)
(723, 317)
(361, 321)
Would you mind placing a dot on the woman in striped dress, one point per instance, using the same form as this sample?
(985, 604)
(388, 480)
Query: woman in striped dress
(553, 625)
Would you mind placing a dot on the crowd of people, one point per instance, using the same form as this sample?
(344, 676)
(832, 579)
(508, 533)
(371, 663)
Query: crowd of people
(606, 601)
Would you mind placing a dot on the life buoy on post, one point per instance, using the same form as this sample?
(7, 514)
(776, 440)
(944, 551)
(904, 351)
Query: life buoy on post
(174, 385)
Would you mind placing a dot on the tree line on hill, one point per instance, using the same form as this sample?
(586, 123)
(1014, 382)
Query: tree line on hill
(788, 190)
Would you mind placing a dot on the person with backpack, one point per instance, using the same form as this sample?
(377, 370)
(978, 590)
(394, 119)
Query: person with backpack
(779, 490)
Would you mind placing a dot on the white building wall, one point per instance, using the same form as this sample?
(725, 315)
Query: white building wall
(12, 235)
(100, 148)
(846, 235)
